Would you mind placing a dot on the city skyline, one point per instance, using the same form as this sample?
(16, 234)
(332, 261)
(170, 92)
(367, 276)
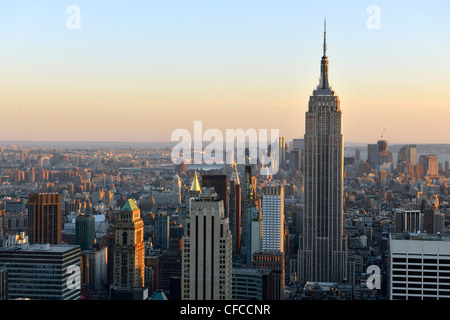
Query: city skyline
(113, 184)
(137, 73)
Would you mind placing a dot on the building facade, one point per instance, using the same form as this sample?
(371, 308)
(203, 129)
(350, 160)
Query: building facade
(419, 267)
(85, 231)
(44, 218)
(129, 249)
(161, 230)
(408, 221)
(207, 251)
(3, 283)
(42, 271)
(252, 284)
(272, 204)
(275, 261)
(323, 250)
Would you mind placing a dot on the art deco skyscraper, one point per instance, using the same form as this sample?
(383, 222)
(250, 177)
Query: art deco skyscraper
(207, 250)
(129, 247)
(323, 251)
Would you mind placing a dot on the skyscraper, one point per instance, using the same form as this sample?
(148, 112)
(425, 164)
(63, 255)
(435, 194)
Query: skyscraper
(207, 251)
(430, 165)
(42, 271)
(323, 251)
(235, 211)
(161, 230)
(129, 247)
(373, 155)
(44, 218)
(272, 204)
(408, 154)
(85, 231)
(282, 158)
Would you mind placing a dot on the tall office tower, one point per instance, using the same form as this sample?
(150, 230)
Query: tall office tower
(207, 251)
(249, 200)
(295, 160)
(357, 155)
(85, 231)
(44, 218)
(129, 247)
(323, 251)
(235, 211)
(282, 158)
(42, 271)
(408, 154)
(272, 204)
(161, 225)
(419, 268)
(220, 183)
(430, 165)
(373, 157)
(384, 155)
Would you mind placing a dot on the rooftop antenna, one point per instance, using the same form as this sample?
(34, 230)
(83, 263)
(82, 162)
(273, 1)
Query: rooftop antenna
(325, 37)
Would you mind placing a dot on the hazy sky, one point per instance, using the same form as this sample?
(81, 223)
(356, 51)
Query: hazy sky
(138, 70)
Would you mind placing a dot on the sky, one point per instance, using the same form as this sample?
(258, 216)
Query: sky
(139, 70)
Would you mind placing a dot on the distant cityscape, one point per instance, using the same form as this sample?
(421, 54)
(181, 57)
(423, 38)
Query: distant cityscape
(381, 196)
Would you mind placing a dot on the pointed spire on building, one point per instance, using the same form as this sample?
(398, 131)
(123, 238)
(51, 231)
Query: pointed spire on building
(325, 37)
(324, 87)
(195, 186)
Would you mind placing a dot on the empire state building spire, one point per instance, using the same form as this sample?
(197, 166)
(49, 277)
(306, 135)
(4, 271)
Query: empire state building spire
(325, 38)
(324, 87)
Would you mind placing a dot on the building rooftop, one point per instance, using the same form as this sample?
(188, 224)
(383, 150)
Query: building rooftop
(26, 247)
(248, 271)
(419, 236)
(130, 205)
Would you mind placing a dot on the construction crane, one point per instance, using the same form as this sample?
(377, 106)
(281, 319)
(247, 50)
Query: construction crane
(382, 134)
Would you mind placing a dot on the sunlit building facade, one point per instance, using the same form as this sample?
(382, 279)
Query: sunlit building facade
(207, 251)
(323, 249)
(129, 250)
(44, 218)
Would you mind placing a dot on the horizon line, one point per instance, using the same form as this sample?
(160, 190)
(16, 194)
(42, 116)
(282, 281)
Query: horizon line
(175, 142)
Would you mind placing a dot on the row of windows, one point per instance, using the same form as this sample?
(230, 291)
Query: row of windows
(401, 281)
(420, 260)
(424, 274)
(420, 266)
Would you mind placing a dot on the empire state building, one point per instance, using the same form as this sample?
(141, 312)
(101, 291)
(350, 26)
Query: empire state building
(323, 250)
